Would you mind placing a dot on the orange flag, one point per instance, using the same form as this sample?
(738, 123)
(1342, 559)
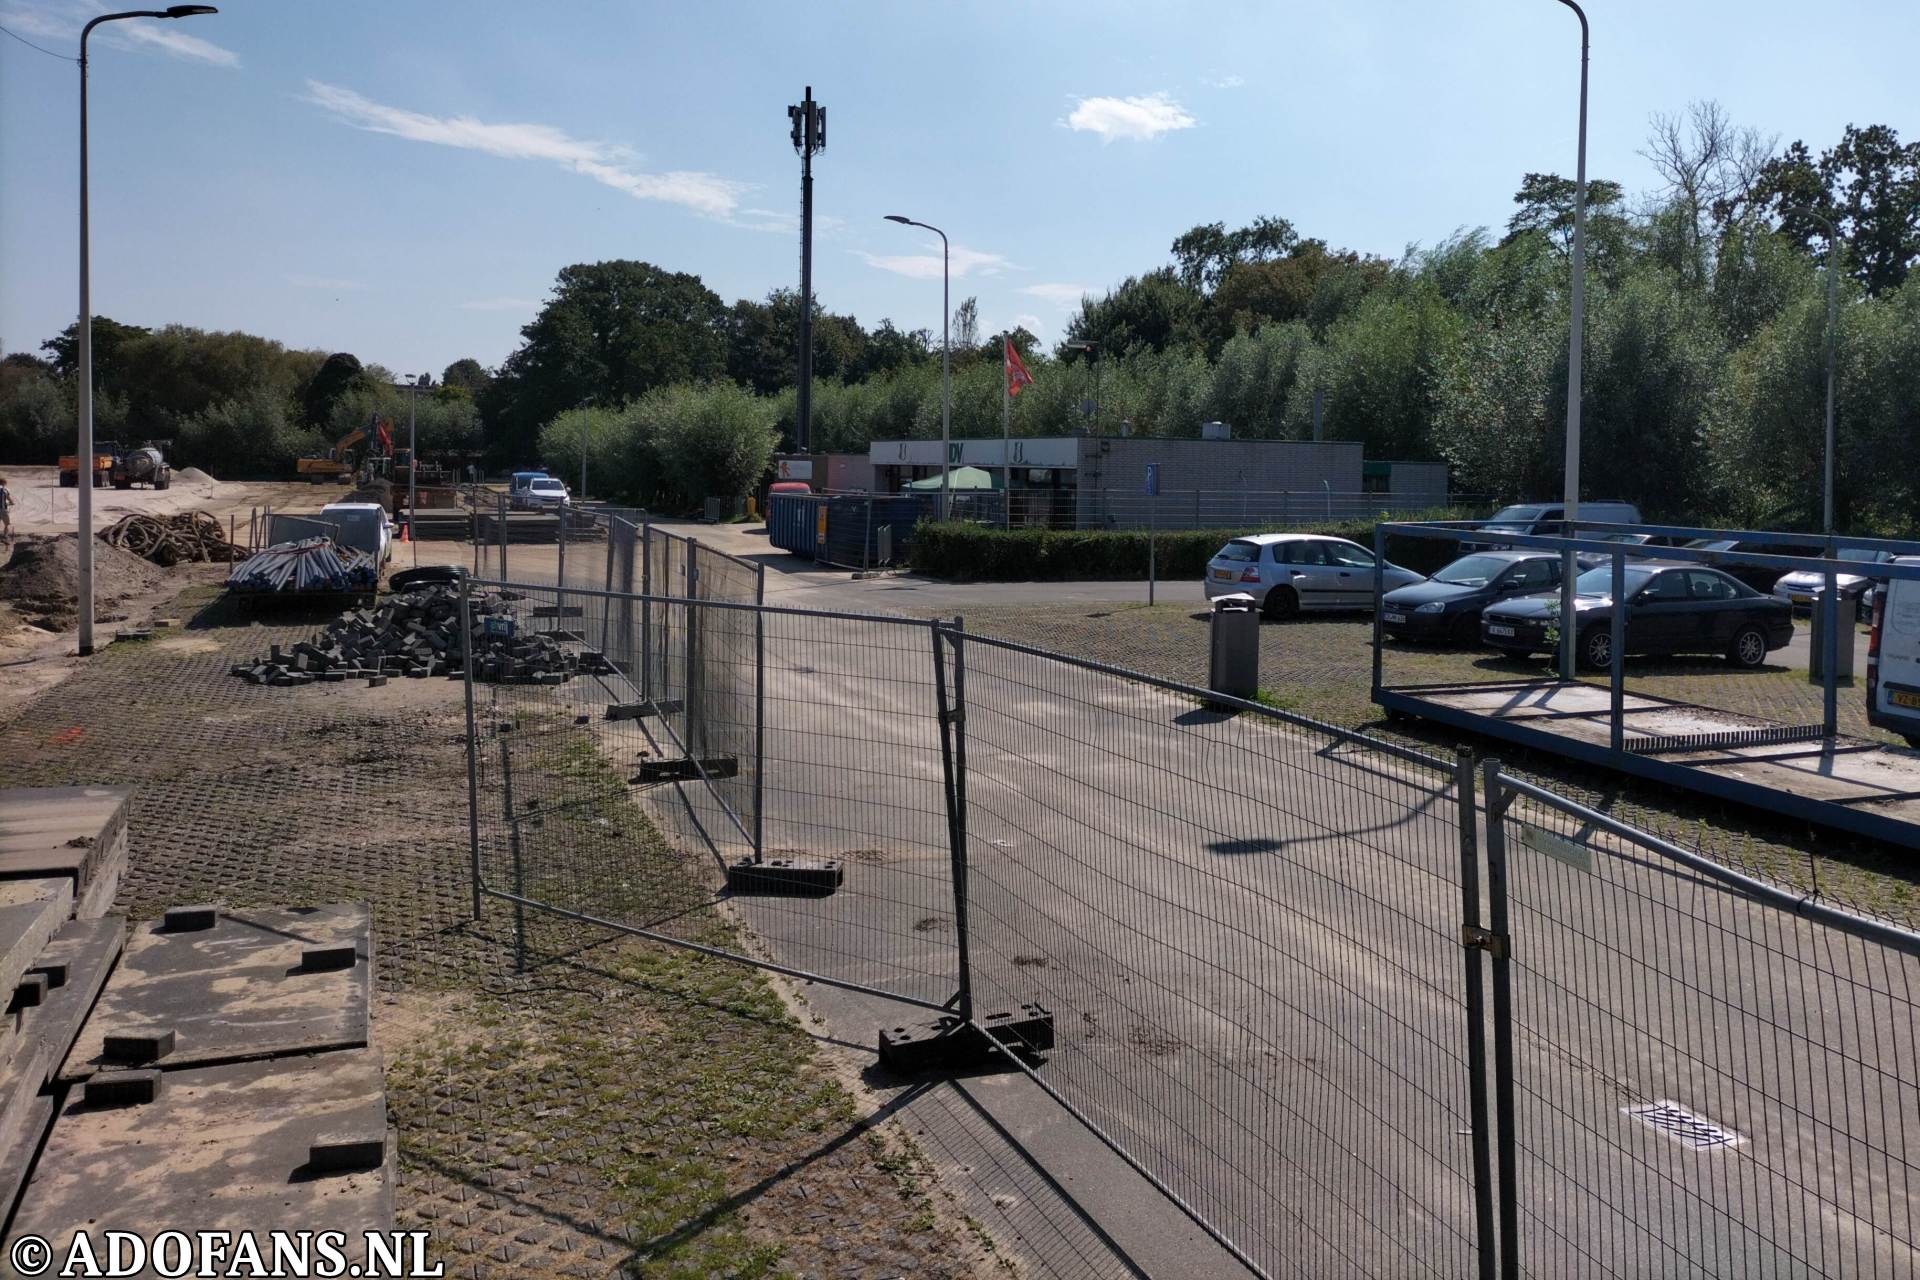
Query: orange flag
(1017, 375)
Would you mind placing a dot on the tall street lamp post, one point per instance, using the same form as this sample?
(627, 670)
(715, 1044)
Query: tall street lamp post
(1569, 566)
(1833, 337)
(84, 409)
(946, 362)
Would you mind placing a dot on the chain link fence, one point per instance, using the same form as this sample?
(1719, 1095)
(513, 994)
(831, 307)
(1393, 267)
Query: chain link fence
(1245, 930)
(1703, 1075)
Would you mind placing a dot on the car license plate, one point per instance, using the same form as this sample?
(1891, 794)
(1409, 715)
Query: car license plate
(1797, 598)
(1901, 698)
(1394, 617)
(1494, 630)
(1223, 575)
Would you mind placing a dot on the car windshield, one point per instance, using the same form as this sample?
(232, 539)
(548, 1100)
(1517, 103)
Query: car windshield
(1599, 582)
(1472, 571)
(1514, 517)
(1712, 544)
(1239, 551)
(548, 486)
(1861, 555)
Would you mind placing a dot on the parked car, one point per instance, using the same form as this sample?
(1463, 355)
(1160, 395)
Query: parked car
(1671, 608)
(544, 493)
(1893, 658)
(1286, 573)
(1803, 586)
(518, 484)
(1447, 606)
(1548, 518)
(1759, 578)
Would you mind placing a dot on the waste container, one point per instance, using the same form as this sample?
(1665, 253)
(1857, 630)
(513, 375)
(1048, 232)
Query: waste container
(1846, 614)
(1234, 668)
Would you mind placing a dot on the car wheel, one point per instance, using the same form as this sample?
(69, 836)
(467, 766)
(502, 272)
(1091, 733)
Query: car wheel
(1748, 648)
(1281, 604)
(1596, 647)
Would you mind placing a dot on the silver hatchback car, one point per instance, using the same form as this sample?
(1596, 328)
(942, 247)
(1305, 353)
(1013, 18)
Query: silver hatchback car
(1286, 573)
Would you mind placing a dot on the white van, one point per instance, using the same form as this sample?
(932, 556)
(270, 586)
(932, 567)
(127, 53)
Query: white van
(1893, 657)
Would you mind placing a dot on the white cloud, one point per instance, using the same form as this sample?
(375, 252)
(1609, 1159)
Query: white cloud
(927, 266)
(1215, 80)
(324, 282)
(499, 304)
(1064, 296)
(1031, 323)
(63, 22)
(167, 37)
(604, 162)
(1140, 119)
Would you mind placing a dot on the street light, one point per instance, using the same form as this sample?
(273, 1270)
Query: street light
(1093, 358)
(1569, 567)
(84, 407)
(946, 363)
(1833, 272)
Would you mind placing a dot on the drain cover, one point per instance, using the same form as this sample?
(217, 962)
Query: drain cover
(1684, 1126)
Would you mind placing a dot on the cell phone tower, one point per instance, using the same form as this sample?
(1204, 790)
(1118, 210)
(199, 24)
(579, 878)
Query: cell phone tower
(808, 123)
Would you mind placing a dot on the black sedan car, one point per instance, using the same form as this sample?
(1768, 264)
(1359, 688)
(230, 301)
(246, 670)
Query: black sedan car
(1447, 606)
(1671, 608)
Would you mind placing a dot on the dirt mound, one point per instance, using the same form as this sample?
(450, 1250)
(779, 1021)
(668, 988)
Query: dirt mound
(193, 475)
(41, 579)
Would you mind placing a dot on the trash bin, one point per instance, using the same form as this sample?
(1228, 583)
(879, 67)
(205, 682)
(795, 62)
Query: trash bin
(1234, 668)
(1846, 613)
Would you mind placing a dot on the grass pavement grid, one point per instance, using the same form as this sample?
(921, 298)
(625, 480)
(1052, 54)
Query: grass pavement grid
(1321, 667)
(567, 1102)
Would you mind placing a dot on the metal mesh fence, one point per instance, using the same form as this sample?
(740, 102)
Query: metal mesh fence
(1710, 1078)
(1244, 929)
(742, 733)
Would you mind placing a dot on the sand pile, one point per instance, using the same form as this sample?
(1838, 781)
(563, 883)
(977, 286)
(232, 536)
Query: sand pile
(193, 475)
(41, 579)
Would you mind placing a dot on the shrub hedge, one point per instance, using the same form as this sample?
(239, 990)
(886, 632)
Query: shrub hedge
(962, 551)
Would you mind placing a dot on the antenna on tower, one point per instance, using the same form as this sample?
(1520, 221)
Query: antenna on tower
(807, 129)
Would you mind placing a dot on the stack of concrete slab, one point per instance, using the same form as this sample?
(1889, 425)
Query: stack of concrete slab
(211, 1068)
(75, 834)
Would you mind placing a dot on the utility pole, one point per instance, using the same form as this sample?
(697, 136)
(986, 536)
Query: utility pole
(1576, 343)
(808, 125)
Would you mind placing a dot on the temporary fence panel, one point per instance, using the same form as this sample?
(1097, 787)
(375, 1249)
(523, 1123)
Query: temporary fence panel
(1705, 1076)
(762, 737)
(1245, 928)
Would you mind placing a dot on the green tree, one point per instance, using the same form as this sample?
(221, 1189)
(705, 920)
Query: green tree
(1869, 184)
(712, 440)
(467, 374)
(611, 332)
(109, 337)
(1153, 311)
(339, 377)
(1205, 254)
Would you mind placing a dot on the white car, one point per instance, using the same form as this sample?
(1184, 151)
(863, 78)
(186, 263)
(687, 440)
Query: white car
(363, 526)
(544, 493)
(1802, 587)
(1286, 573)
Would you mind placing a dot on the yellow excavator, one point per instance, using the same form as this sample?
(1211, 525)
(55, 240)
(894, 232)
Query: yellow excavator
(335, 465)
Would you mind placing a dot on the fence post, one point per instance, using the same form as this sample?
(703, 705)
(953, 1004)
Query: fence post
(1499, 946)
(646, 609)
(695, 711)
(1830, 650)
(953, 760)
(560, 575)
(1379, 601)
(1476, 1010)
(473, 739)
(759, 705)
(1617, 675)
(501, 517)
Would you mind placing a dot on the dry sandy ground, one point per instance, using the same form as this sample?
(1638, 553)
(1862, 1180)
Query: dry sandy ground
(42, 506)
(32, 659)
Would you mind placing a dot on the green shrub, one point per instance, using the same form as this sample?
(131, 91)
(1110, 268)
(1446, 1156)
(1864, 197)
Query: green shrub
(963, 551)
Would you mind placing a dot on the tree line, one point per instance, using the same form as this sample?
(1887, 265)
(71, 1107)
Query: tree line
(1704, 354)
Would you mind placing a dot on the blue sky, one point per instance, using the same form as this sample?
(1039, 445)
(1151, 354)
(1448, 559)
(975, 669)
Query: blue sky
(402, 180)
